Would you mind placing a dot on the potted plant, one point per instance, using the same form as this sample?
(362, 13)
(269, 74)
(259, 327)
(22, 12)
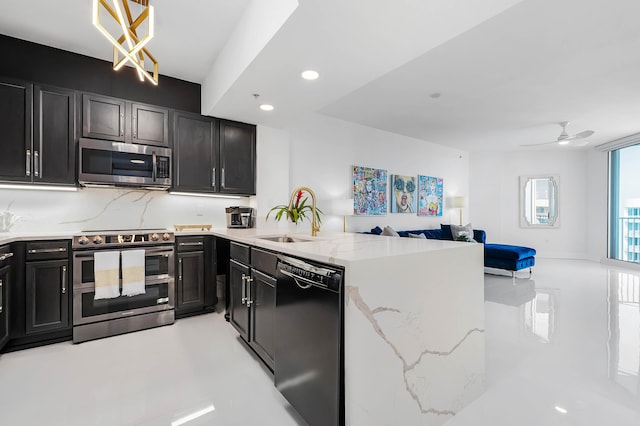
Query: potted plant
(297, 209)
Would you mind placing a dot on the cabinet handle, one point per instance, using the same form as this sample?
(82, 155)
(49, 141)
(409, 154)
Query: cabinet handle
(51, 250)
(213, 177)
(249, 301)
(180, 270)
(36, 164)
(5, 256)
(122, 124)
(64, 279)
(199, 243)
(222, 178)
(28, 162)
(244, 289)
(1, 298)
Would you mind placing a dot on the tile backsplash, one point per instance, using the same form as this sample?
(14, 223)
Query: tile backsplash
(109, 208)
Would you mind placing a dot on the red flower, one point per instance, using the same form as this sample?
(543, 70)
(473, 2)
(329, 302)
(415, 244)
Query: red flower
(298, 196)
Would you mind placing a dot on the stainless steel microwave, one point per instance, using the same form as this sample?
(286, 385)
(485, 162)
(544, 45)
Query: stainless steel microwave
(110, 163)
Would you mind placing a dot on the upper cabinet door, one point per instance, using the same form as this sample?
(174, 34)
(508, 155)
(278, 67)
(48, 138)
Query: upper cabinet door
(16, 107)
(149, 125)
(194, 153)
(54, 153)
(237, 158)
(103, 118)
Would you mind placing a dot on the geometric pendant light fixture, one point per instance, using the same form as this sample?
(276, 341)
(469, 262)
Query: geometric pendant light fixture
(128, 46)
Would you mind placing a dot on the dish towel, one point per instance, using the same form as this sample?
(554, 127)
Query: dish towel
(106, 270)
(133, 272)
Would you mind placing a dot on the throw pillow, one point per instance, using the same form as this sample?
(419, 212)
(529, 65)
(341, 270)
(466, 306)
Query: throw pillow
(446, 232)
(419, 236)
(462, 233)
(390, 232)
(377, 230)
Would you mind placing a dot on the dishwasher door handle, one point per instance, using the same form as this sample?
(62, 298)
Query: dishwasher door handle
(309, 282)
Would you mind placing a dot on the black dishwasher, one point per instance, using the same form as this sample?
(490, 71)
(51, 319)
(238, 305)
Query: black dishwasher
(309, 350)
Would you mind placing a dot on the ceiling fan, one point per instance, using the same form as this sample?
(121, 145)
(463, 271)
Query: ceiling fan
(565, 138)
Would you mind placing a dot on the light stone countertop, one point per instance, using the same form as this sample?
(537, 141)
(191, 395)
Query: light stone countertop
(330, 247)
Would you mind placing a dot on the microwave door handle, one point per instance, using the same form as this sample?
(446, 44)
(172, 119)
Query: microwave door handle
(154, 160)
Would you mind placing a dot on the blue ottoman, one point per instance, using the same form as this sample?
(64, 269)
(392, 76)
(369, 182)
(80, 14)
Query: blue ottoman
(511, 258)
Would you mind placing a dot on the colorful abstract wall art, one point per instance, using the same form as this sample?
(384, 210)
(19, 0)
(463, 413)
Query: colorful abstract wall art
(403, 194)
(430, 190)
(369, 191)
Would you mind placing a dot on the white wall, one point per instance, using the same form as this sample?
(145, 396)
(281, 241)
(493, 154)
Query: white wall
(323, 151)
(494, 200)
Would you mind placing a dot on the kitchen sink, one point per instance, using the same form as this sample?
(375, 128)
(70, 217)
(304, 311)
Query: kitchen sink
(285, 239)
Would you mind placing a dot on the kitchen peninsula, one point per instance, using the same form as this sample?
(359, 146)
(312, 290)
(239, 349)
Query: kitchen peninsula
(413, 322)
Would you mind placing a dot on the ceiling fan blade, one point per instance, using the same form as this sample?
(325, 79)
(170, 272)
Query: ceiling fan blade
(582, 135)
(539, 144)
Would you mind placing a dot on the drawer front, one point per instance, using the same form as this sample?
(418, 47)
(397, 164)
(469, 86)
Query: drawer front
(190, 243)
(264, 261)
(240, 252)
(44, 250)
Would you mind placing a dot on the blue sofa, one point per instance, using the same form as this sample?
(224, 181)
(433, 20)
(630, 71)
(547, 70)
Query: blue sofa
(498, 256)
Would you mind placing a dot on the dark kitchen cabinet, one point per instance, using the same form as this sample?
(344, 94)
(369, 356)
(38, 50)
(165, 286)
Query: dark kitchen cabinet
(47, 296)
(103, 117)
(114, 119)
(16, 112)
(54, 121)
(237, 158)
(238, 312)
(253, 298)
(38, 126)
(195, 285)
(195, 153)
(213, 156)
(40, 295)
(149, 125)
(5, 283)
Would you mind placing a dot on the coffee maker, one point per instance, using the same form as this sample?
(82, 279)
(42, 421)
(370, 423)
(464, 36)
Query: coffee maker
(240, 217)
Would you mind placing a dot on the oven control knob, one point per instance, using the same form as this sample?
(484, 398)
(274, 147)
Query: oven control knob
(154, 237)
(97, 239)
(166, 237)
(83, 240)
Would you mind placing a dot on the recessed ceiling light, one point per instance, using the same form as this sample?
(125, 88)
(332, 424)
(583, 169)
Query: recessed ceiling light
(310, 75)
(266, 107)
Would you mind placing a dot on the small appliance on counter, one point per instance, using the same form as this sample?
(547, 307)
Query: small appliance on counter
(240, 217)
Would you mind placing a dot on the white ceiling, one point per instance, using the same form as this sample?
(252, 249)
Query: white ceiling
(507, 70)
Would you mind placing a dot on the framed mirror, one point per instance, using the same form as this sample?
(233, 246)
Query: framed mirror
(539, 201)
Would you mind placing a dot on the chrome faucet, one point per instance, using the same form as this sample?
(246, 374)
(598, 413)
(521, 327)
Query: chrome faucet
(314, 224)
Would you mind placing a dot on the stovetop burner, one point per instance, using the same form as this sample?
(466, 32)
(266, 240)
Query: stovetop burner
(112, 238)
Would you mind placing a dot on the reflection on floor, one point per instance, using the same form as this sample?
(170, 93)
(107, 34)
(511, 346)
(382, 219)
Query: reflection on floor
(562, 348)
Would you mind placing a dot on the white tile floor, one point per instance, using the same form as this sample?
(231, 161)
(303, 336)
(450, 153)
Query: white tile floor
(567, 340)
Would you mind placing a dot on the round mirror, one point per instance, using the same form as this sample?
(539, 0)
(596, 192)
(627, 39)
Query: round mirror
(539, 206)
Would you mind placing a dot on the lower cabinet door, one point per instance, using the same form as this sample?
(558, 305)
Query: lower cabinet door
(190, 282)
(238, 309)
(263, 303)
(47, 296)
(4, 304)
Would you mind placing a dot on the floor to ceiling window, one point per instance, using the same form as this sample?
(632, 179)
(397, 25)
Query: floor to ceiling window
(624, 233)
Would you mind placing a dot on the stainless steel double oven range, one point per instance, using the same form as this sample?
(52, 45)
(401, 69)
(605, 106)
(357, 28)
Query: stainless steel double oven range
(103, 317)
